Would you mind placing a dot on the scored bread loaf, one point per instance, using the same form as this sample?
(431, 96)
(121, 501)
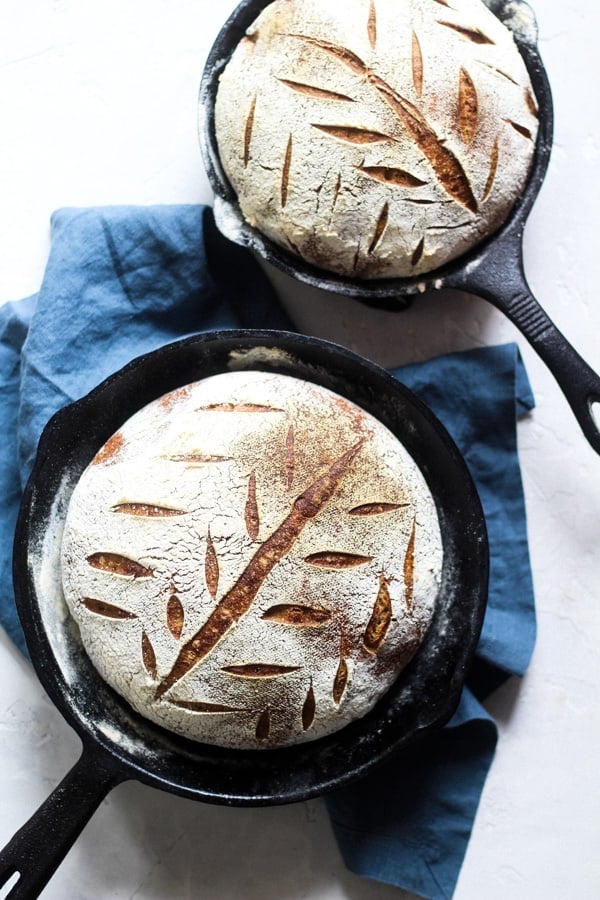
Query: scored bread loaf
(376, 138)
(251, 560)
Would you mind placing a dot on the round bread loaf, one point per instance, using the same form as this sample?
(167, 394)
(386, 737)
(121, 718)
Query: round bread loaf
(251, 560)
(376, 138)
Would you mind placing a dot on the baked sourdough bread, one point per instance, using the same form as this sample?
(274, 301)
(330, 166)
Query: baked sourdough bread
(251, 560)
(376, 138)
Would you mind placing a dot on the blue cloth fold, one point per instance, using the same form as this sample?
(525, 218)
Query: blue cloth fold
(121, 281)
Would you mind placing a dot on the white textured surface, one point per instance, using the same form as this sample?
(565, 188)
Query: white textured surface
(98, 106)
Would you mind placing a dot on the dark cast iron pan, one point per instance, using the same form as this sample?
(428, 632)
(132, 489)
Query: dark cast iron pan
(492, 269)
(118, 744)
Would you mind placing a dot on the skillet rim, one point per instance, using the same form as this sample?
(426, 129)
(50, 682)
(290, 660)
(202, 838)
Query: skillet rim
(316, 756)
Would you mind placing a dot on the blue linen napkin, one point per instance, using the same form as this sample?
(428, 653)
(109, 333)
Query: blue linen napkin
(121, 281)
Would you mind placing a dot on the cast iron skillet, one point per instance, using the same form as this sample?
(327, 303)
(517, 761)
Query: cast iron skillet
(493, 269)
(117, 743)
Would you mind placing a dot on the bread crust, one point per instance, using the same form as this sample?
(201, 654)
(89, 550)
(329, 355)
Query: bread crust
(254, 562)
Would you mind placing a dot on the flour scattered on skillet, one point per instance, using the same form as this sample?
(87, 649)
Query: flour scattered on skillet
(252, 560)
(376, 139)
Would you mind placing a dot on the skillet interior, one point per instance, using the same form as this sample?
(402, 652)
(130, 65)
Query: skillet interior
(427, 691)
(382, 293)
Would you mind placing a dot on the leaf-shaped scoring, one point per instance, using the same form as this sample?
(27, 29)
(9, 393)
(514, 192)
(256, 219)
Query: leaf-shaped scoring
(417, 65)
(375, 509)
(380, 618)
(531, 102)
(251, 515)
(409, 567)
(109, 610)
(311, 90)
(342, 54)
(472, 34)
(492, 172)
(285, 170)
(418, 252)
(334, 559)
(248, 131)
(211, 567)
(340, 681)
(520, 129)
(380, 227)
(372, 24)
(148, 510)
(467, 106)
(259, 670)
(148, 656)
(175, 616)
(297, 615)
(352, 135)
(239, 408)
(390, 175)
(205, 706)
(115, 564)
(197, 459)
(309, 708)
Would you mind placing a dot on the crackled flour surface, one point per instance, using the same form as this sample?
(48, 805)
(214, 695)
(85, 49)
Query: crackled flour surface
(251, 560)
(376, 138)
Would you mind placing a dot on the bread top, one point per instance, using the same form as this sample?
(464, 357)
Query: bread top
(373, 138)
(251, 560)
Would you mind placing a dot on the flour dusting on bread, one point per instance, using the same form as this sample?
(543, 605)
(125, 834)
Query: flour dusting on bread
(253, 561)
(374, 138)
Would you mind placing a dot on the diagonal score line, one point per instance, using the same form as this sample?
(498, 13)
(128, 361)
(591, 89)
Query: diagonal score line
(240, 597)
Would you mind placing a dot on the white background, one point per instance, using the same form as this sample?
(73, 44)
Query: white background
(97, 106)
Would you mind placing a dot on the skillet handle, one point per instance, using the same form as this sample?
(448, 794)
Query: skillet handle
(500, 278)
(38, 848)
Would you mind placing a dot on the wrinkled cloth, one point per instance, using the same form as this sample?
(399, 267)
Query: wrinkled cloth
(121, 281)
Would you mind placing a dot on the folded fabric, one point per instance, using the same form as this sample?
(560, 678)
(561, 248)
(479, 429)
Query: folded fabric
(121, 281)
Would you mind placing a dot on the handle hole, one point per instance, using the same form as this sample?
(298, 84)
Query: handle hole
(6, 888)
(595, 413)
